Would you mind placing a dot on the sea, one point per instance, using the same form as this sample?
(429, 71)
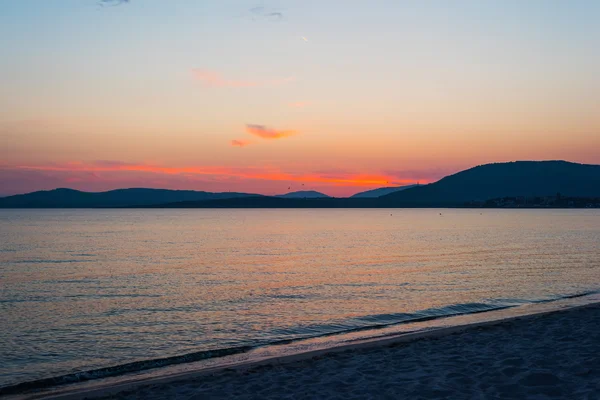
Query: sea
(91, 293)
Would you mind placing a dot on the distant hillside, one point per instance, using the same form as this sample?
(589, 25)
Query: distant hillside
(380, 192)
(505, 182)
(520, 178)
(303, 194)
(69, 198)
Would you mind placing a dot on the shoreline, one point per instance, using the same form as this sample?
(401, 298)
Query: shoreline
(304, 207)
(448, 326)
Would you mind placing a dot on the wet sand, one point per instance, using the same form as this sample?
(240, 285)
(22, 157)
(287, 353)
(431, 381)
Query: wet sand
(549, 356)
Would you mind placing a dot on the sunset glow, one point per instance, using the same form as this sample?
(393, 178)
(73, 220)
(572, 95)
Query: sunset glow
(214, 176)
(235, 96)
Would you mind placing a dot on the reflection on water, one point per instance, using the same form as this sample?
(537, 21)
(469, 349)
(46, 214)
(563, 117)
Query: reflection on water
(83, 289)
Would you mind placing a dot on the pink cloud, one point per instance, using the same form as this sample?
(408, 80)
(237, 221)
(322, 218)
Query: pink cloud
(240, 143)
(216, 80)
(267, 133)
(110, 163)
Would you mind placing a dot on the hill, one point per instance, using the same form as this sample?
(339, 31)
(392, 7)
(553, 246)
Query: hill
(69, 198)
(380, 192)
(303, 194)
(515, 179)
(504, 183)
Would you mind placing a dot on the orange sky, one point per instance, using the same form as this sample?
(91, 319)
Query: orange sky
(300, 95)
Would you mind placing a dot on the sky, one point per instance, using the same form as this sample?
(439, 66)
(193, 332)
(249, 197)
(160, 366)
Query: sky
(269, 97)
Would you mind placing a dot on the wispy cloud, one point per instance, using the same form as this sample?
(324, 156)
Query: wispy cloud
(215, 79)
(266, 132)
(265, 13)
(112, 2)
(111, 163)
(240, 143)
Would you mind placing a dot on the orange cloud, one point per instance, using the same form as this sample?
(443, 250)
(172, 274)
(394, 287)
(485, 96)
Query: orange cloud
(215, 79)
(240, 143)
(267, 133)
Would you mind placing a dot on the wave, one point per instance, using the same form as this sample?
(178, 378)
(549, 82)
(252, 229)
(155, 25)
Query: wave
(51, 261)
(381, 321)
(363, 323)
(116, 370)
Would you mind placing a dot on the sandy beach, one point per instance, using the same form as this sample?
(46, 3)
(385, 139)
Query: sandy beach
(540, 357)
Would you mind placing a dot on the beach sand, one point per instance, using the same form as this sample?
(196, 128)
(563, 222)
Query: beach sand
(553, 356)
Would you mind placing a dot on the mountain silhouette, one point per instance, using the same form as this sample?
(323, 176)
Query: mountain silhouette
(519, 178)
(303, 194)
(470, 187)
(69, 198)
(380, 192)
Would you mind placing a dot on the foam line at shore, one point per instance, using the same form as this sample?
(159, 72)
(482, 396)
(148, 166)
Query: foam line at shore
(143, 365)
(449, 326)
(371, 323)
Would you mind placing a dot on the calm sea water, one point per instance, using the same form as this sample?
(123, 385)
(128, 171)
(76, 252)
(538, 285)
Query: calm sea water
(87, 289)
